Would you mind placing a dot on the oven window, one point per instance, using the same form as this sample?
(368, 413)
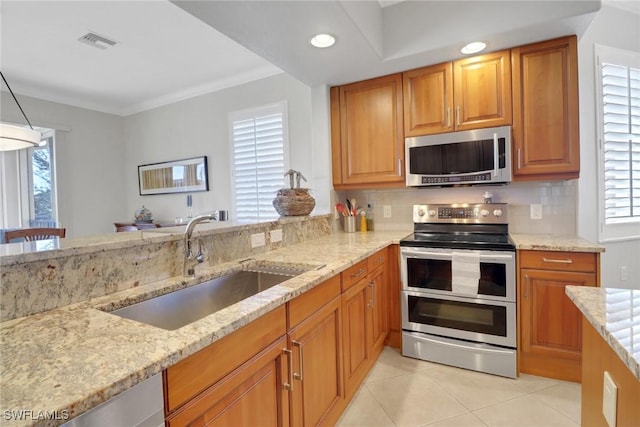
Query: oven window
(464, 316)
(435, 274)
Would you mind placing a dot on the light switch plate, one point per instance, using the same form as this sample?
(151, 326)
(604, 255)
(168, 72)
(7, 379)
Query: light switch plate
(609, 399)
(257, 240)
(387, 211)
(275, 235)
(535, 211)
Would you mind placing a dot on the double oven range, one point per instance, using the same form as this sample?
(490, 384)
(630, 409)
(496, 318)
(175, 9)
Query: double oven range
(459, 288)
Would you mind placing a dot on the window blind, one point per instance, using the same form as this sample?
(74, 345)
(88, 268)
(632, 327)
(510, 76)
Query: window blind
(258, 164)
(621, 142)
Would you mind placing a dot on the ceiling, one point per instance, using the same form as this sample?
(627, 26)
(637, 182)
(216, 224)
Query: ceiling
(168, 51)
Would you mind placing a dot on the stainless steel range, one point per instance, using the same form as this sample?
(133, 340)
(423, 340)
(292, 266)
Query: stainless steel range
(459, 288)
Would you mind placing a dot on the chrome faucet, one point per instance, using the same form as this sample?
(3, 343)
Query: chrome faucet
(190, 260)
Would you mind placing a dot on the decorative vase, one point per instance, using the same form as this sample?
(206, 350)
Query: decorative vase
(144, 215)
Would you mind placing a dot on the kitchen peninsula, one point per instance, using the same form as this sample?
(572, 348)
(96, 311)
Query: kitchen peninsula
(611, 331)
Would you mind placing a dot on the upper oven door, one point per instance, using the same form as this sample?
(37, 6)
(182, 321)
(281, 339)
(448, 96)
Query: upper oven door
(430, 270)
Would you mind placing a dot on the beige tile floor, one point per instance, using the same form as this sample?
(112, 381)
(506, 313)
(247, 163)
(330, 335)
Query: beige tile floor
(400, 391)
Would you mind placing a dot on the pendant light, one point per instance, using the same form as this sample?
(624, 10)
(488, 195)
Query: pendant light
(17, 137)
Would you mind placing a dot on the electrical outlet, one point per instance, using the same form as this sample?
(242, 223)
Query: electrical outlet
(275, 235)
(535, 211)
(387, 211)
(623, 273)
(609, 399)
(257, 240)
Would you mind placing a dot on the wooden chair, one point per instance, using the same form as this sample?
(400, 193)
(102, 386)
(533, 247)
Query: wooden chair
(30, 234)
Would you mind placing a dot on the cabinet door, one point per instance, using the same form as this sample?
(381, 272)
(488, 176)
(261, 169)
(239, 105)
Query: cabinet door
(356, 334)
(377, 304)
(551, 325)
(318, 391)
(545, 110)
(482, 91)
(371, 143)
(252, 395)
(428, 100)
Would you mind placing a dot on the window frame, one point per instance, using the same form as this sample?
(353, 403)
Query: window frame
(627, 229)
(246, 114)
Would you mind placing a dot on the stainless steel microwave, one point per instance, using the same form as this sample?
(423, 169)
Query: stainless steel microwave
(480, 156)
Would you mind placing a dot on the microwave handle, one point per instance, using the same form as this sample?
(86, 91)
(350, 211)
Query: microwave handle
(495, 154)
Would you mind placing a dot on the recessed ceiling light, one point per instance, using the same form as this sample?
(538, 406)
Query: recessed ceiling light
(473, 47)
(322, 40)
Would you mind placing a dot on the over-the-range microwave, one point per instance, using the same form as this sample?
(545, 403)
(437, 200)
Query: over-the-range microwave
(480, 156)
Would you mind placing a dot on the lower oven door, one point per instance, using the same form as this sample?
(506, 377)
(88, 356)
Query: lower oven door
(479, 320)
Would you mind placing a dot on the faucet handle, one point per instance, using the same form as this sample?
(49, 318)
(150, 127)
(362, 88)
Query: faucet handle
(200, 256)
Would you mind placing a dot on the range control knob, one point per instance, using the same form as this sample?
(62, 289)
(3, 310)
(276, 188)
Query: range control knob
(497, 212)
(432, 212)
(420, 212)
(484, 212)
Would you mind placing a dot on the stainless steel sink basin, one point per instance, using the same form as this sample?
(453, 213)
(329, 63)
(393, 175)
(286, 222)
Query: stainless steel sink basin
(179, 308)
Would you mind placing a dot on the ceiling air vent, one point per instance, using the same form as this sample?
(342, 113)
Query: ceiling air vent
(96, 40)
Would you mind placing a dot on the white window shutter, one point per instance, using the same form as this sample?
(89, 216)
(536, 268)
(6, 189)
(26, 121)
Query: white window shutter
(258, 138)
(621, 142)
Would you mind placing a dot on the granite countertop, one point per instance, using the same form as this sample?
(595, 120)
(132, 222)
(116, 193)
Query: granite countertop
(615, 314)
(549, 242)
(78, 356)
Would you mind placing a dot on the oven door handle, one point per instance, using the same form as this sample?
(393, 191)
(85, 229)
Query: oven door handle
(450, 254)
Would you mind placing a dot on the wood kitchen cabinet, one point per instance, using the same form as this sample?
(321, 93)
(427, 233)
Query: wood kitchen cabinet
(467, 94)
(254, 394)
(550, 324)
(367, 142)
(317, 394)
(230, 377)
(365, 319)
(546, 140)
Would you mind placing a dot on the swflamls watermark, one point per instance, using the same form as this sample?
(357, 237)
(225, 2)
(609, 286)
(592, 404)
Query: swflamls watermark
(32, 415)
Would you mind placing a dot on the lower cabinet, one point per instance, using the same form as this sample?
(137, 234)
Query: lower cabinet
(550, 324)
(252, 395)
(298, 365)
(317, 391)
(364, 306)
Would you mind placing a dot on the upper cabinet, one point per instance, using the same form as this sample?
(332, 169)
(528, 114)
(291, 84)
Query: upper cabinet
(546, 141)
(366, 133)
(467, 94)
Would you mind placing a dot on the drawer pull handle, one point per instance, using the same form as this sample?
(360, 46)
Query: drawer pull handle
(289, 353)
(558, 261)
(358, 273)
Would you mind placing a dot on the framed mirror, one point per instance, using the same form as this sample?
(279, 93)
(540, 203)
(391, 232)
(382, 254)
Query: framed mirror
(178, 176)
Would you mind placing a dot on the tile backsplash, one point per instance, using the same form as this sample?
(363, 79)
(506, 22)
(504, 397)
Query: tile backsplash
(558, 200)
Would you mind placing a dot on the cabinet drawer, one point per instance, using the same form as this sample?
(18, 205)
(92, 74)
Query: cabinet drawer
(190, 376)
(355, 273)
(563, 261)
(377, 260)
(301, 307)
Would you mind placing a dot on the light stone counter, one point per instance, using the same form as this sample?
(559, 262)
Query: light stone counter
(549, 242)
(615, 314)
(75, 357)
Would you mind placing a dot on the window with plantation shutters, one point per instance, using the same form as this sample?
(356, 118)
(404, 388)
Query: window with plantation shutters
(619, 135)
(259, 161)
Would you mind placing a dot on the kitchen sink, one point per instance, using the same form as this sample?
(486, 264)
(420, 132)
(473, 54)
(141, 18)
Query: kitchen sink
(176, 309)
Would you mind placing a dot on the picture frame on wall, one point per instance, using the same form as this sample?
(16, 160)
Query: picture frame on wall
(177, 176)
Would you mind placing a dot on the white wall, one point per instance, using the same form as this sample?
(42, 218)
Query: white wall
(620, 29)
(90, 168)
(199, 126)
